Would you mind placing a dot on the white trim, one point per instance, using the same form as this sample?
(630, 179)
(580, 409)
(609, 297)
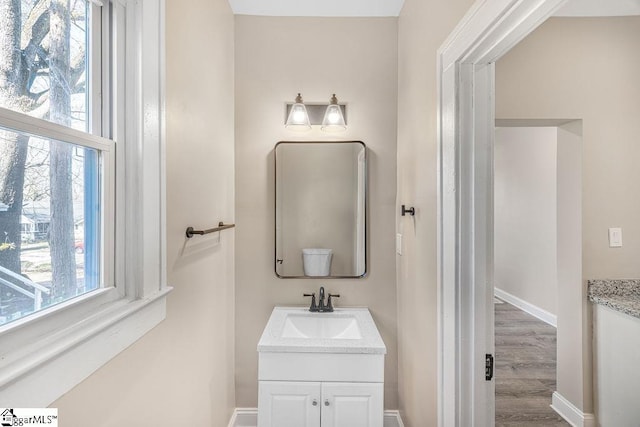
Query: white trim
(244, 417)
(392, 419)
(248, 417)
(525, 306)
(465, 218)
(569, 412)
(14, 121)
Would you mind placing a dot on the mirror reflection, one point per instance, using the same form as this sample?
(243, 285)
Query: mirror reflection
(320, 209)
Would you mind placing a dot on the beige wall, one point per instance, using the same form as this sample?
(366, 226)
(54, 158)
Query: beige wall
(356, 58)
(181, 373)
(587, 69)
(423, 26)
(579, 68)
(525, 211)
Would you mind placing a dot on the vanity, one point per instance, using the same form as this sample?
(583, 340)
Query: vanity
(320, 366)
(320, 369)
(616, 350)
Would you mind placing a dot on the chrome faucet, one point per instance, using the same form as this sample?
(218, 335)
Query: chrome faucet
(320, 307)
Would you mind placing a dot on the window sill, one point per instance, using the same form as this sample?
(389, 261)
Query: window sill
(49, 369)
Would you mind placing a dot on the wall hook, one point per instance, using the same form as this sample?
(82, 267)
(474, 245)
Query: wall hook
(411, 211)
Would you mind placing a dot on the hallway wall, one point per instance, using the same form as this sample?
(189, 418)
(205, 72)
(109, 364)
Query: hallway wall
(525, 214)
(587, 68)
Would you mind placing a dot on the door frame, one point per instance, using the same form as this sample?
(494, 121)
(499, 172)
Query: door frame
(466, 119)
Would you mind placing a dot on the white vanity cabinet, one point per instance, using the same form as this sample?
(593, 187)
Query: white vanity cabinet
(321, 370)
(352, 405)
(317, 404)
(288, 404)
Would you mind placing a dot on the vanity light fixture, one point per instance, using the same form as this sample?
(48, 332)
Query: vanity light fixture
(333, 118)
(330, 117)
(298, 118)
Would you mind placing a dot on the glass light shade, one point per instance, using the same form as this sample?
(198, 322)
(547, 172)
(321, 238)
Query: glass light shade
(298, 117)
(333, 119)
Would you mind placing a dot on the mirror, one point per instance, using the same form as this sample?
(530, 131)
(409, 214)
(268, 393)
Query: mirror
(321, 209)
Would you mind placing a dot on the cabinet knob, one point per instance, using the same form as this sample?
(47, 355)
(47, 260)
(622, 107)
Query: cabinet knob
(326, 403)
(314, 403)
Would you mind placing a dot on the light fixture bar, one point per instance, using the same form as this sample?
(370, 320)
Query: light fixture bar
(316, 112)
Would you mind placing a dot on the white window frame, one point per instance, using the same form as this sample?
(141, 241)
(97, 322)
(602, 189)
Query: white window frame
(46, 354)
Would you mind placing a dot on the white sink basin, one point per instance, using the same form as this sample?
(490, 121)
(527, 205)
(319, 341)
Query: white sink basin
(315, 325)
(297, 330)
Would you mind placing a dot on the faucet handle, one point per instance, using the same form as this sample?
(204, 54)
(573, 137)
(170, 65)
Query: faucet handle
(313, 306)
(329, 304)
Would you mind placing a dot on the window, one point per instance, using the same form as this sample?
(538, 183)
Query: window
(50, 227)
(82, 264)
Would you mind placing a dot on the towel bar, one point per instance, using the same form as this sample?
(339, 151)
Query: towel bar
(221, 226)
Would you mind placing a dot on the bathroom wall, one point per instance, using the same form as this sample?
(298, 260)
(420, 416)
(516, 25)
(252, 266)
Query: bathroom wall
(276, 58)
(525, 214)
(586, 68)
(423, 27)
(181, 373)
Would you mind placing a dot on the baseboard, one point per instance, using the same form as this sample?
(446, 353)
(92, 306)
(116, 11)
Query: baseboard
(569, 412)
(244, 417)
(392, 419)
(248, 417)
(533, 310)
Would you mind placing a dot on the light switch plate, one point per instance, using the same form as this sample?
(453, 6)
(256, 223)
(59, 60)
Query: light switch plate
(615, 237)
(399, 244)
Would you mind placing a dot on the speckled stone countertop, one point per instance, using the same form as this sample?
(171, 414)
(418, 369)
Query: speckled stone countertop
(622, 295)
(370, 343)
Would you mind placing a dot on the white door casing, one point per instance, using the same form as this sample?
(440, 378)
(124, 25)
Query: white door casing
(465, 201)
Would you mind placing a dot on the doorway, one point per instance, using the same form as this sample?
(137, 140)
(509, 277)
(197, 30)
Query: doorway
(465, 223)
(537, 208)
(467, 107)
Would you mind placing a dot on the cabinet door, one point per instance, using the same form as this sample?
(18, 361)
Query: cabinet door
(288, 404)
(352, 405)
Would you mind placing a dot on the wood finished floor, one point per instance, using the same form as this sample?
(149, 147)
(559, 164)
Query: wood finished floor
(525, 369)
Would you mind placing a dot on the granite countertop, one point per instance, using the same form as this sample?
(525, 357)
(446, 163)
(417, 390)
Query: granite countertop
(370, 343)
(622, 295)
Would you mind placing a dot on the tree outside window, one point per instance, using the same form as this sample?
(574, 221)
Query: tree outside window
(48, 189)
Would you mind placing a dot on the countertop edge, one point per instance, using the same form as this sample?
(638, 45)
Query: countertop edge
(621, 295)
(320, 349)
(373, 345)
